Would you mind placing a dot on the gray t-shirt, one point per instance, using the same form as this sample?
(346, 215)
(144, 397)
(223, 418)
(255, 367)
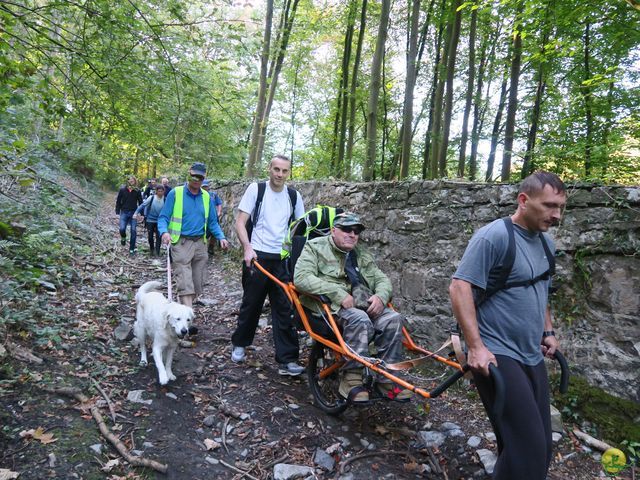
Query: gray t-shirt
(511, 321)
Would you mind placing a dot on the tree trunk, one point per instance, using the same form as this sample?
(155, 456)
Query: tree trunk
(252, 163)
(352, 92)
(427, 171)
(448, 109)
(287, 21)
(528, 166)
(496, 131)
(586, 93)
(479, 108)
(513, 95)
(346, 61)
(436, 130)
(462, 158)
(372, 111)
(407, 116)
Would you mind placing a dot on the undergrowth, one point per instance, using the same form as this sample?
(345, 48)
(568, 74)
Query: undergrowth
(43, 228)
(611, 418)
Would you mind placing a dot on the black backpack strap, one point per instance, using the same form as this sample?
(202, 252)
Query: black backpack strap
(293, 198)
(550, 257)
(262, 186)
(499, 276)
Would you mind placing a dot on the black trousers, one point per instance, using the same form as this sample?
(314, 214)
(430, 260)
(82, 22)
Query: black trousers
(256, 286)
(154, 237)
(523, 431)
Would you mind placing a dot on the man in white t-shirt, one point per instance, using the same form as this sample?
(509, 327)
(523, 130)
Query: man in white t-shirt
(264, 214)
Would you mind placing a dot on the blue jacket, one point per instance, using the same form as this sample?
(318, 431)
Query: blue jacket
(192, 215)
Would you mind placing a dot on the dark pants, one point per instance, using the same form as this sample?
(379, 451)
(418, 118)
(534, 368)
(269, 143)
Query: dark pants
(523, 431)
(154, 237)
(128, 218)
(256, 286)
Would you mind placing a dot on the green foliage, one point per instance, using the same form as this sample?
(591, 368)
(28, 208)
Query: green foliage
(614, 419)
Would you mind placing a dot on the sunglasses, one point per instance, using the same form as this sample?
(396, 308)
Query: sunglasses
(356, 230)
(196, 178)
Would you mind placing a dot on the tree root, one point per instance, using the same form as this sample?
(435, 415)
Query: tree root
(97, 416)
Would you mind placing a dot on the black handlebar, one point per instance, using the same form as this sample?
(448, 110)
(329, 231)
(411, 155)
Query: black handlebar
(498, 381)
(436, 392)
(564, 371)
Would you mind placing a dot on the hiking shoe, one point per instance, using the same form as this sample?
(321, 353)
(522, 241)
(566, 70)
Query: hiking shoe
(292, 369)
(351, 386)
(132, 252)
(237, 354)
(193, 330)
(123, 241)
(394, 392)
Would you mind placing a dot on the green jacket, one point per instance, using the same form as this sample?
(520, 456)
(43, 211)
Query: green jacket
(320, 271)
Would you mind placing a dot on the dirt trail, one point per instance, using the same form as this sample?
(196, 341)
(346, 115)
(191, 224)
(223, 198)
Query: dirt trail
(218, 419)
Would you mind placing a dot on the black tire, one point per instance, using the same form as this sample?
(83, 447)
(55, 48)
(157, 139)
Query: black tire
(325, 391)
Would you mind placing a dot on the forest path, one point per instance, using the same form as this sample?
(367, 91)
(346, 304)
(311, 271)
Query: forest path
(219, 419)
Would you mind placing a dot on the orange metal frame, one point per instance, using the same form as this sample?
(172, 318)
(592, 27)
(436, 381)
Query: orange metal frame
(341, 349)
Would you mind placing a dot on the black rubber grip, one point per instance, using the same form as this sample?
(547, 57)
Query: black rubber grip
(564, 371)
(436, 392)
(498, 383)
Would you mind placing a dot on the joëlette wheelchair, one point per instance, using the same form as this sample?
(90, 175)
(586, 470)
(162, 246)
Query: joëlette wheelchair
(329, 351)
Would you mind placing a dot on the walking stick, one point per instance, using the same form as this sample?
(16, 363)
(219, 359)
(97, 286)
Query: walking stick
(169, 295)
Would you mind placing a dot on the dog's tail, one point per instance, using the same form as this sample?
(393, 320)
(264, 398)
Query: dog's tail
(148, 287)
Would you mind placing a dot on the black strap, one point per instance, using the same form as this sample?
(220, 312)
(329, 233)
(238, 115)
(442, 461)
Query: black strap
(498, 277)
(262, 186)
(351, 268)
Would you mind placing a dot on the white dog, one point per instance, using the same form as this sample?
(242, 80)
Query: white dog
(162, 321)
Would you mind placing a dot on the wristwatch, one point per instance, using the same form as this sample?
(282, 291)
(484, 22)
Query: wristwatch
(548, 333)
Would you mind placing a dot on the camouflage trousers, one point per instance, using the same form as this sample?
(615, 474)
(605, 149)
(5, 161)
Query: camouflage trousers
(358, 330)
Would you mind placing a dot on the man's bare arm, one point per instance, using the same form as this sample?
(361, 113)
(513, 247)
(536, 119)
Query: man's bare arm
(479, 357)
(243, 236)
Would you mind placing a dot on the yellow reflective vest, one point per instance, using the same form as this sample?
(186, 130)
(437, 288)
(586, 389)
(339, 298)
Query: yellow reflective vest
(175, 223)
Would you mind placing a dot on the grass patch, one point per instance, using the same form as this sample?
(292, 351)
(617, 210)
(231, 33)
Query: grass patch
(615, 419)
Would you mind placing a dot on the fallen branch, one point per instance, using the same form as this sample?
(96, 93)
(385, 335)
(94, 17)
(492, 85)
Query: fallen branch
(106, 397)
(237, 470)
(590, 441)
(21, 353)
(344, 464)
(97, 416)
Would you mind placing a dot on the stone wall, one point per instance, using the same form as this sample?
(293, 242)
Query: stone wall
(419, 231)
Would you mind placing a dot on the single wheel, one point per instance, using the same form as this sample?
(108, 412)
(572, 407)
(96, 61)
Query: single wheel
(325, 390)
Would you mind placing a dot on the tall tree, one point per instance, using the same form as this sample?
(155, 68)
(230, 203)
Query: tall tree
(287, 17)
(514, 80)
(352, 91)
(374, 91)
(254, 153)
(448, 102)
(410, 81)
(462, 157)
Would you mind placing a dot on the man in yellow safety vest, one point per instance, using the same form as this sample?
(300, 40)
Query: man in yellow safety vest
(187, 215)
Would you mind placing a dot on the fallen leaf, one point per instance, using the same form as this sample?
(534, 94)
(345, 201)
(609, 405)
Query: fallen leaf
(380, 430)
(110, 465)
(211, 444)
(6, 474)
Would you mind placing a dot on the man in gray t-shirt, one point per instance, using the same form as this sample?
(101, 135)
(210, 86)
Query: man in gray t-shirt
(512, 328)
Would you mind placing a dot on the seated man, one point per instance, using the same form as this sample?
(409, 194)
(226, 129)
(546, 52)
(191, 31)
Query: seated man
(337, 267)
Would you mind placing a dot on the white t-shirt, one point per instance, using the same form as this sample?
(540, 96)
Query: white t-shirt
(271, 228)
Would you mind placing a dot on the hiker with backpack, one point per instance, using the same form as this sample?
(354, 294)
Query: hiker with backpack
(499, 295)
(339, 268)
(150, 209)
(264, 214)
